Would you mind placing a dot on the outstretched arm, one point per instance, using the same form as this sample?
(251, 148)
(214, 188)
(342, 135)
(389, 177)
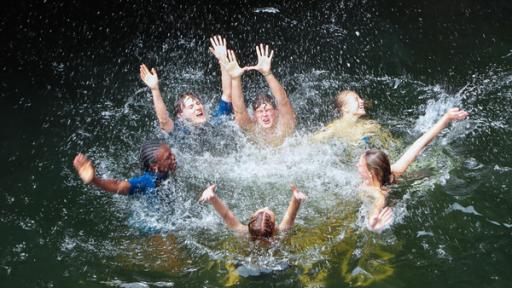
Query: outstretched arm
(286, 114)
(293, 208)
(151, 80)
(233, 69)
(87, 173)
(226, 214)
(399, 167)
(219, 50)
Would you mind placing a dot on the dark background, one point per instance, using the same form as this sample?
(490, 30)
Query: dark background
(62, 63)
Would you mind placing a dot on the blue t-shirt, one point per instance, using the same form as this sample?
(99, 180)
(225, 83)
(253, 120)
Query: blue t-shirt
(146, 183)
(223, 109)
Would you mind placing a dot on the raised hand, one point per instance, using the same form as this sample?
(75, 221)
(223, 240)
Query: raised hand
(219, 48)
(264, 60)
(149, 78)
(84, 168)
(297, 195)
(231, 65)
(384, 218)
(208, 194)
(454, 114)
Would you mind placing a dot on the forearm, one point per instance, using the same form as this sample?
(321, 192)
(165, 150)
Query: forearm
(226, 214)
(226, 85)
(417, 147)
(277, 90)
(162, 114)
(239, 107)
(432, 133)
(284, 106)
(112, 185)
(291, 213)
(373, 219)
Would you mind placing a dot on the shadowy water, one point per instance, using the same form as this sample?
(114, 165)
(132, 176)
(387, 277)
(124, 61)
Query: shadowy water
(69, 83)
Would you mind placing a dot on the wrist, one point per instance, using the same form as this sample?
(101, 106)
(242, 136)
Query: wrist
(266, 74)
(154, 89)
(446, 119)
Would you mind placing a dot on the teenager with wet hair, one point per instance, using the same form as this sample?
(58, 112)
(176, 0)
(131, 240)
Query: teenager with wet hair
(189, 111)
(377, 173)
(262, 224)
(270, 123)
(156, 158)
(350, 127)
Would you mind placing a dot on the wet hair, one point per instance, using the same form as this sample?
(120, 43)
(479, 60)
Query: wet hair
(377, 163)
(261, 226)
(180, 102)
(148, 154)
(263, 99)
(341, 97)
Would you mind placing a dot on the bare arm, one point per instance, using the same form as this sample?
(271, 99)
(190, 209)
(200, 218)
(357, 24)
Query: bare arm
(226, 214)
(151, 80)
(87, 173)
(287, 118)
(219, 50)
(293, 208)
(399, 167)
(242, 117)
(380, 220)
(286, 114)
(379, 216)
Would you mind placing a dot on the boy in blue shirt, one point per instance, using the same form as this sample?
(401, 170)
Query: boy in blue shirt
(188, 109)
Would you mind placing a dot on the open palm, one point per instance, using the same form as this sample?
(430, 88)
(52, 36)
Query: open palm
(299, 196)
(208, 194)
(264, 59)
(231, 66)
(84, 168)
(219, 47)
(149, 78)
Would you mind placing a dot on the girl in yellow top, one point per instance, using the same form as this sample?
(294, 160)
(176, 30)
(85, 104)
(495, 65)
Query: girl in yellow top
(349, 127)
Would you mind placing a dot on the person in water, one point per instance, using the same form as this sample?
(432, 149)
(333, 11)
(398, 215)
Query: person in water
(377, 173)
(157, 161)
(270, 123)
(262, 224)
(188, 108)
(350, 127)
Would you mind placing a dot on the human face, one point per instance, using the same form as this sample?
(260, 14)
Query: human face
(362, 167)
(354, 105)
(165, 160)
(192, 111)
(268, 211)
(265, 115)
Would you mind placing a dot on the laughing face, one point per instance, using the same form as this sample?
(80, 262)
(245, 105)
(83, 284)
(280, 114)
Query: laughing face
(192, 110)
(165, 160)
(353, 104)
(265, 115)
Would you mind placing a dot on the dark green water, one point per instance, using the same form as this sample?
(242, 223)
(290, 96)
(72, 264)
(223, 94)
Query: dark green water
(69, 83)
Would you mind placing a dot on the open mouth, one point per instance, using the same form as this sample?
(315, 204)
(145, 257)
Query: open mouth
(199, 114)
